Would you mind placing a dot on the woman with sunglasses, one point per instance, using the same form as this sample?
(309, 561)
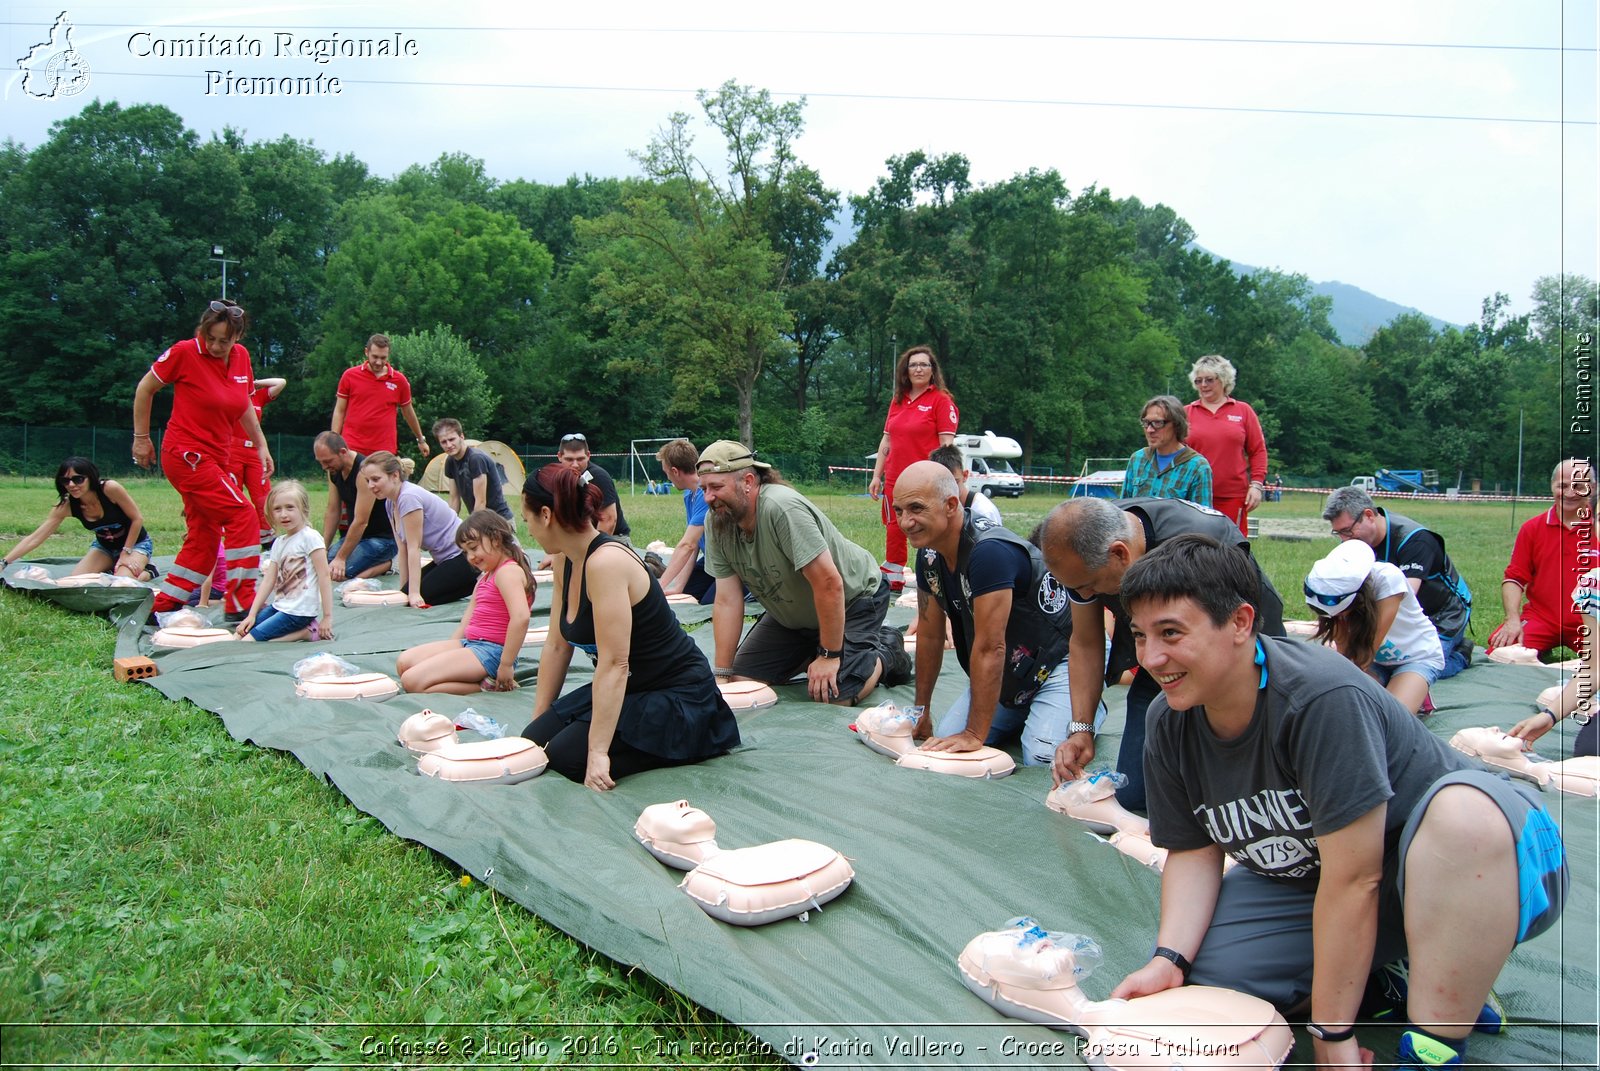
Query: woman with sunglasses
(120, 546)
(211, 380)
(1166, 468)
(1228, 433)
(922, 417)
(1367, 611)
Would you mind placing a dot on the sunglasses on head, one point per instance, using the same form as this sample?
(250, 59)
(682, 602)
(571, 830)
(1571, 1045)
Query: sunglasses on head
(574, 437)
(235, 313)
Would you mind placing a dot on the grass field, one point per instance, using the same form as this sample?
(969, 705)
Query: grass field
(158, 872)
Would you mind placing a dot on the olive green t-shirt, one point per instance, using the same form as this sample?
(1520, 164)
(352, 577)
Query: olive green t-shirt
(790, 533)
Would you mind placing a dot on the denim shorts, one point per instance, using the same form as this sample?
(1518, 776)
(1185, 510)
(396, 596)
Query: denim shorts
(1429, 669)
(488, 653)
(144, 546)
(272, 623)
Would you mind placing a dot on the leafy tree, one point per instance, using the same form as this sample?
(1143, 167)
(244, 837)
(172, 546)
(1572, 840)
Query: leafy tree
(445, 378)
(702, 262)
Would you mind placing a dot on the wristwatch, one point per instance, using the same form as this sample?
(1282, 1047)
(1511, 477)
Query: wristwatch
(1081, 727)
(823, 652)
(1178, 959)
(1322, 1033)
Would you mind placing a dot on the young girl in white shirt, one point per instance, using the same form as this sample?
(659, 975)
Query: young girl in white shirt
(1367, 610)
(294, 575)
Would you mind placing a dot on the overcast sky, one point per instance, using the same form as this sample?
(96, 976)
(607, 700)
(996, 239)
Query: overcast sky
(1431, 152)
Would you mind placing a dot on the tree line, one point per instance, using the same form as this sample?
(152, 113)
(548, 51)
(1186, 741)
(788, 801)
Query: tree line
(710, 295)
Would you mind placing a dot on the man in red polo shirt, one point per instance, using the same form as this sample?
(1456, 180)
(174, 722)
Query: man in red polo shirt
(369, 394)
(1553, 550)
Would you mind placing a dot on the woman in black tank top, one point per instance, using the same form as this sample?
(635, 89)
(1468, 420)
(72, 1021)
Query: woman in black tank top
(654, 701)
(120, 544)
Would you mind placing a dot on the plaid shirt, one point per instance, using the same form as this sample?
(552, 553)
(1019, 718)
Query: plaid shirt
(1188, 476)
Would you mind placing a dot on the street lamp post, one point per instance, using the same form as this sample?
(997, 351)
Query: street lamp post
(216, 254)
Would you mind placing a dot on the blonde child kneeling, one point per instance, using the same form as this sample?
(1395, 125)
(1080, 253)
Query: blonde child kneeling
(294, 575)
(481, 655)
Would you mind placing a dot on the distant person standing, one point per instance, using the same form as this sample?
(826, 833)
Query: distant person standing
(475, 477)
(922, 417)
(369, 394)
(246, 465)
(1228, 433)
(1167, 467)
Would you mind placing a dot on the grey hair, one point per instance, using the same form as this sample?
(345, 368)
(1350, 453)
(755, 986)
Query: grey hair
(1087, 527)
(1175, 413)
(1219, 366)
(1350, 501)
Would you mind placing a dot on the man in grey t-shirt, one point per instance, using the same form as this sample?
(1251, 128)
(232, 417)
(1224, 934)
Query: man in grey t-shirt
(475, 478)
(824, 597)
(1360, 836)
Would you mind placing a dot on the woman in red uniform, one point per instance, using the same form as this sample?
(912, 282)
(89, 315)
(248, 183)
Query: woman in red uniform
(922, 418)
(211, 381)
(1227, 433)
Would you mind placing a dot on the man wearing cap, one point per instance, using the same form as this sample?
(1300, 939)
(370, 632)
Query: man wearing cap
(1551, 553)
(1009, 618)
(1088, 544)
(1421, 557)
(1360, 837)
(824, 597)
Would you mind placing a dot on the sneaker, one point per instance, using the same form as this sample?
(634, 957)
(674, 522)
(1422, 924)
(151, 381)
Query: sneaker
(1419, 1051)
(235, 617)
(894, 575)
(897, 664)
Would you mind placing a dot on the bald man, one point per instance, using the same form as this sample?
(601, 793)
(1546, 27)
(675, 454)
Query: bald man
(1010, 620)
(1552, 552)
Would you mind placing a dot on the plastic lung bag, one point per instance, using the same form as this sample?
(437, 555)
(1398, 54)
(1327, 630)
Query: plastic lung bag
(481, 724)
(323, 664)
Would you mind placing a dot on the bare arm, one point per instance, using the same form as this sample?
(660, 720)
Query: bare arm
(509, 583)
(1190, 883)
(827, 594)
(990, 611)
(252, 429)
(607, 521)
(727, 620)
(480, 492)
(681, 566)
(1510, 631)
(339, 407)
(330, 516)
(875, 485)
(557, 653)
(930, 656)
(274, 386)
(411, 556)
(410, 413)
(1387, 609)
(614, 584)
(1344, 927)
(319, 564)
(1086, 670)
(144, 449)
(41, 533)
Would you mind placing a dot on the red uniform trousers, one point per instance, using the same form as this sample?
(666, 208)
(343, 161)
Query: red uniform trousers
(247, 472)
(894, 540)
(214, 508)
(1233, 509)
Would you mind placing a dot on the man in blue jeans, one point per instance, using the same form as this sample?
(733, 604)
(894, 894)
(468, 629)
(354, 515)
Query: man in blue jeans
(366, 545)
(1010, 620)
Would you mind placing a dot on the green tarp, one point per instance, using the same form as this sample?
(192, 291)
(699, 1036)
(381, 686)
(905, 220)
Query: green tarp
(870, 979)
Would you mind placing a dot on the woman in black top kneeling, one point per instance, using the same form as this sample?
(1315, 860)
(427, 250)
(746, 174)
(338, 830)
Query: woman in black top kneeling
(653, 701)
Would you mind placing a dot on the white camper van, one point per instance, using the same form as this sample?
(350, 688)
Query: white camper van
(988, 457)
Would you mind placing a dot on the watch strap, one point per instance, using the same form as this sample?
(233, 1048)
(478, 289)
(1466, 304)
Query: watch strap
(823, 652)
(1324, 1034)
(1080, 727)
(1178, 959)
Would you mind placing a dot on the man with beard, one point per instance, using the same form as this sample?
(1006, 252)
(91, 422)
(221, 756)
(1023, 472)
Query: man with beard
(824, 597)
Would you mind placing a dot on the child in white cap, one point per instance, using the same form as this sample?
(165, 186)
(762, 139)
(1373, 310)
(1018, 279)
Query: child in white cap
(1367, 610)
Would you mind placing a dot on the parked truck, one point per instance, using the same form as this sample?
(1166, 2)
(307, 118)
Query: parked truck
(1400, 481)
